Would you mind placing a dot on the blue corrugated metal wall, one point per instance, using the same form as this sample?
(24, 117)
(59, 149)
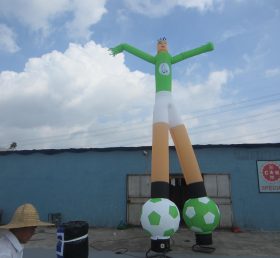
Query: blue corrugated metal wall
(90, 184)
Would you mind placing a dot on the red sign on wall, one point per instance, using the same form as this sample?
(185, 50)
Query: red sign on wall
(269, 176)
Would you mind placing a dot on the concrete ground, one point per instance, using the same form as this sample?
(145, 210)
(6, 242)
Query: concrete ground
(133, 242)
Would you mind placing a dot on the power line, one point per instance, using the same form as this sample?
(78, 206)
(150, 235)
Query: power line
(228, 123)
(110, 130)
(218, 127)
(236, 108)
(194, 130)
(238, 103)
(268, 134)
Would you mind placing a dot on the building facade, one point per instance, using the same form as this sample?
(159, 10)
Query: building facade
(107, 186)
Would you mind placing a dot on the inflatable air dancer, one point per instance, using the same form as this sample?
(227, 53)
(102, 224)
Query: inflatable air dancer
(160, 217)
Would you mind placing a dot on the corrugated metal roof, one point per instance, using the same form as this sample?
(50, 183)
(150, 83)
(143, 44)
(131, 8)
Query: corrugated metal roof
(81, 150)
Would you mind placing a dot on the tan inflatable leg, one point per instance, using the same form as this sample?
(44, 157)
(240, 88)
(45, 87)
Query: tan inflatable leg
(160, 155)
(186, 154)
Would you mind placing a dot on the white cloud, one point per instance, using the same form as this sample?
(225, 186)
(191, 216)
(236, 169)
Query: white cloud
(150, 7)
(202, 96)
(191, 68)
(86, 98)
(39, 15)
(232, 33)
(8, 39)
(82, 88)
(86, 13)
(253, 61)
(200, 5)
(163, 7)
(36, 15)
(256, 125)
(272, 72)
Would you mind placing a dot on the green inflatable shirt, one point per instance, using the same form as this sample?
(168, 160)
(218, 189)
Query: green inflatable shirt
(162, 61)
(163, 71)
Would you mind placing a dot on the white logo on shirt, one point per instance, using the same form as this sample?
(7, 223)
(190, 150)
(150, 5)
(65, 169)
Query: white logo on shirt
(164, 69)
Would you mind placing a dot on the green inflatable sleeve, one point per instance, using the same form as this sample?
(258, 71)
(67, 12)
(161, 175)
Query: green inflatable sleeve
(116, 50)
(134, 51)
(196, 51)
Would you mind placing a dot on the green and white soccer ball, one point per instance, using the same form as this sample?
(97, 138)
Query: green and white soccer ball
(201, 215)
(160, 218)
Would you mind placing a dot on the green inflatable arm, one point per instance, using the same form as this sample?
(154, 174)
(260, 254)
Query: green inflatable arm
(132, 50)
(196, 51)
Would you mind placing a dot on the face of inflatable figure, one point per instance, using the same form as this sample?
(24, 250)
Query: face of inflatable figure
(162, 45)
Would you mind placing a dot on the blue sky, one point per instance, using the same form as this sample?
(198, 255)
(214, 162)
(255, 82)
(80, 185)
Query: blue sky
(60, 88)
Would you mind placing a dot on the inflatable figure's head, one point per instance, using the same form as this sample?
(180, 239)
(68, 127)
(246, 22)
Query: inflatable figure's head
(162, 45)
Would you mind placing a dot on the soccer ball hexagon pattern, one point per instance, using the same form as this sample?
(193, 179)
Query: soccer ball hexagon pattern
(160, 218)
(201, 215)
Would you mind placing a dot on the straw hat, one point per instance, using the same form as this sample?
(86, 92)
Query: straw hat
(25, 216)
